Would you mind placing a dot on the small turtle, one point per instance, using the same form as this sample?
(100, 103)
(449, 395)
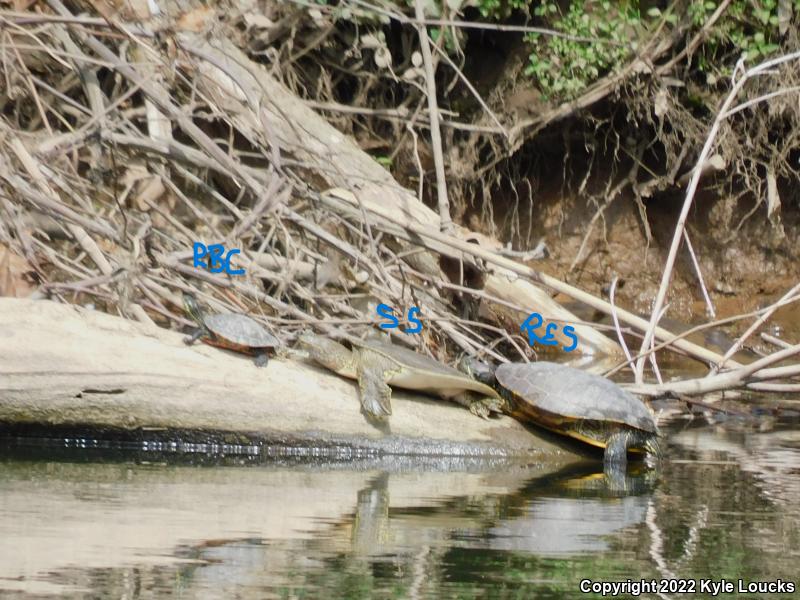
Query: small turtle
(231, 331)
(580, 405)
(377, 365)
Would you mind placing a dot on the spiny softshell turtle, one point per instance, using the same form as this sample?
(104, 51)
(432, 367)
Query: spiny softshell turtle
(232, 331)
(580, 405)
(377, 365)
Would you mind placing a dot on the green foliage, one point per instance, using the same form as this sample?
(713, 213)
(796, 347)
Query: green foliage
(451, 38)
(563, 67)
(747, 28)
(498, 9)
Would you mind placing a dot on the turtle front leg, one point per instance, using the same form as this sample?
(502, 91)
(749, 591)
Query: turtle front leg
(261, 359)
(376, 395)
(196, 335)
(616, 455)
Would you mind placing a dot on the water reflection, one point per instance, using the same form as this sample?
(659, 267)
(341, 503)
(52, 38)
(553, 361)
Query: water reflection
(574, 512)
(150, 525)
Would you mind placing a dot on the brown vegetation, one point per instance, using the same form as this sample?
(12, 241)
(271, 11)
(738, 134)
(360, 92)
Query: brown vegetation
(125, 137)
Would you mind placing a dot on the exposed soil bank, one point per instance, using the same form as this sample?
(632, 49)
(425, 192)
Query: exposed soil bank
(742, 271)
(63, 366)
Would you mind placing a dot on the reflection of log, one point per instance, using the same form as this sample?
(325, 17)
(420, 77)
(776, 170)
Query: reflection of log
(62, 365)
(107, 515)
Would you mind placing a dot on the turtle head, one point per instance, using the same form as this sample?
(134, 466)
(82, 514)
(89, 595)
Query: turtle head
(327, 352)
(192, 308)
(478, 369)
(652, 445)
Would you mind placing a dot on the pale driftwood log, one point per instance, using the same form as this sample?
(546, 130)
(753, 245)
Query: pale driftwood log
(64, 365)
(259, 104)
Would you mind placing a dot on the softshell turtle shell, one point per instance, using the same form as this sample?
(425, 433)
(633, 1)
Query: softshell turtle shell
(581, 405)
(377, 365)
(232, 331)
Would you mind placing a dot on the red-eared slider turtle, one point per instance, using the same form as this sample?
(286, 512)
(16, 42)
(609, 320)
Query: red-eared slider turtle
(580, 405)
(231, 331)
(377, 365)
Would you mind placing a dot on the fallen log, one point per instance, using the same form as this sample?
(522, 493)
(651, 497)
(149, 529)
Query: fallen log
(62, 365)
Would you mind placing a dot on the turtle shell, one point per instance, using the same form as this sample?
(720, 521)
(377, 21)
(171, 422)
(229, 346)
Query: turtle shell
(240, 330)
(421, 372)
(574, 394)
(408, 358)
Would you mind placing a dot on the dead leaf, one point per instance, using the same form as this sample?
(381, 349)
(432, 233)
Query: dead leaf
(778, 234)
(150, 190)
(137, 10)
(784, 15)
(716, 162)
(258, 21)
(14, 269)
(128, 10)
(371, 41)
(383, 57)
(773, 199)
(413, 74)
(21, 5)
(662, 103)
(196, 20)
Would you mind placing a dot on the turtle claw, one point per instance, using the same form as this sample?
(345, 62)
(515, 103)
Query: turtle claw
(477, 409)
(484, 407)
(196, 335)
(285, 353)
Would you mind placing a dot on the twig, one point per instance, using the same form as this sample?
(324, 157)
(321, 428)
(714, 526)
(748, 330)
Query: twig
(538, 252)
(755, 325)
(472, 90)
(161, 99)
(741, 377)
(400, 115)
(698, 38)
(446, 223)
(474, 24)
(78, 232)
(775, 341)
(709, 305)
(676, 240)
(421, 235)
(620, 337)
(666, 343)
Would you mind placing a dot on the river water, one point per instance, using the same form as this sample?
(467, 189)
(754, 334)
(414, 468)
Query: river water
(131, 523)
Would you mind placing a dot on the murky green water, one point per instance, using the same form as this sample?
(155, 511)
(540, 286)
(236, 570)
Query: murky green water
(84, 523)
